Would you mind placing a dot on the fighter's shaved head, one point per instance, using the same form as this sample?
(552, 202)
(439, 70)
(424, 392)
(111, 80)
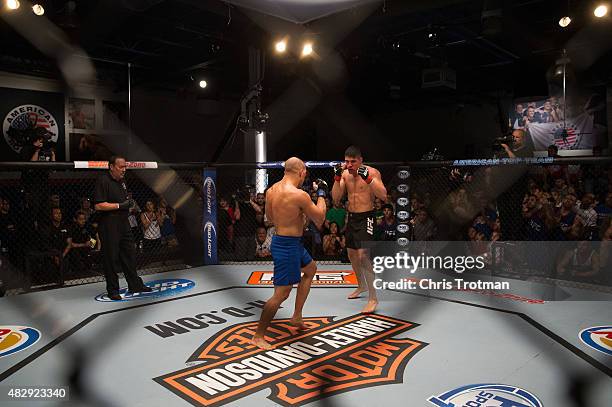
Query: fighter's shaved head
(294, 165)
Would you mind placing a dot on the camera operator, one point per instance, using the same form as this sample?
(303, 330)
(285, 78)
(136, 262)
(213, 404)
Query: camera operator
(519, 146)
(41, 147)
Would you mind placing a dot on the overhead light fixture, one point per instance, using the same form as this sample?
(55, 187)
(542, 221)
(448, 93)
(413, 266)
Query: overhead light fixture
(281, 46)
(565, 21)
(600, 11)
(38, 9)
(203, 84)
(307, 49)
(12, 4)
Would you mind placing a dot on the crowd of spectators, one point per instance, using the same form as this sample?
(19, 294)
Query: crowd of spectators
(59, 238)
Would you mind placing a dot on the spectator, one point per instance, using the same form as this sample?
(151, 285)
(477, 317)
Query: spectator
(581, 264)
(262, 241)
(167, 218)
(246, 223)
(79, 244)
(87, 209)
(564, 218)
(335, 214)
(423, 227)
(225, 223)
(334, 243)
(378, 211)
(604, 210)
(535, 216)
(55, 237)
(588, 216)
(387, 228)
(133, 214)
(7, 226)
(150, 226)
(516, 117)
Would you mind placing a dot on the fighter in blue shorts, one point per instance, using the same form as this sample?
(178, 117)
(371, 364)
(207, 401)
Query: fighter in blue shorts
(288, 206)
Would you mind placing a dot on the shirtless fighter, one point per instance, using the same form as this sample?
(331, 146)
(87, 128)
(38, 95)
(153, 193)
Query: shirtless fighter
(362, 183)
(287, 206)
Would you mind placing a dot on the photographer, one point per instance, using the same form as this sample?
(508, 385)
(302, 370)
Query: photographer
(41, 147)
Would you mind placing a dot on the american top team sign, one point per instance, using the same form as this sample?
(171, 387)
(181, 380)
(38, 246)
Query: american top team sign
(22, 122)
(329, 358)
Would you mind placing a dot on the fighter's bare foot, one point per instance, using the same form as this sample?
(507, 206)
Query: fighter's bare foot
(356, 294)
(298, 323)
(261, 343)
(370, 307)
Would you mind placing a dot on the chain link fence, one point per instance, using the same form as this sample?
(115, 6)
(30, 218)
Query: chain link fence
(48, 225)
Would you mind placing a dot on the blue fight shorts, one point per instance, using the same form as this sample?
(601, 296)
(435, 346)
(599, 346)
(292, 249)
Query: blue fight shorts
(289, 257)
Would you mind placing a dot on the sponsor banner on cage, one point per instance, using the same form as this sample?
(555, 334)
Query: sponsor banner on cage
(209, 218)
(486, 395)
(104, 164)
(331, 357)
(598, 338)
(14, 339)
(323, 278)
(503, 161)
(161, 288)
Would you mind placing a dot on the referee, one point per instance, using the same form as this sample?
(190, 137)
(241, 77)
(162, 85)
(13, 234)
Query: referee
(111, 201)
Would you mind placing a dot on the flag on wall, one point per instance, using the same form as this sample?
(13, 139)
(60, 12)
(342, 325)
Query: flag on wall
(574, 134)
(25, 113)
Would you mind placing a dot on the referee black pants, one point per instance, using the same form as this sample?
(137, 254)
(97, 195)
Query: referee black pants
(118, 254)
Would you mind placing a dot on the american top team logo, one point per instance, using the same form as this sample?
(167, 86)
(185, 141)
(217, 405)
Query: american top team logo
(24, 122)
(329, 358)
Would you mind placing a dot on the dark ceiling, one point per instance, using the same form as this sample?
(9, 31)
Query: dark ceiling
(169, 42)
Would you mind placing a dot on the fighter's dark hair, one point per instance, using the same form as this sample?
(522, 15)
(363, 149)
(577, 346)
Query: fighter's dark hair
(352, 151)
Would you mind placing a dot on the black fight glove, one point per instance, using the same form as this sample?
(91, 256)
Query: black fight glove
(320, 187)
(338, 170)
(364, 173)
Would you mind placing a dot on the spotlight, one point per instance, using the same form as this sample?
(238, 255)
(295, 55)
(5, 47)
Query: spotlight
(203, 84)
(281, 46)
(307, 50)
(12, 4)
(600, 11)
(38, 9)
(565, 21)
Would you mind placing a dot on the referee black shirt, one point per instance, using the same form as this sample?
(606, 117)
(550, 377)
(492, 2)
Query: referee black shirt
(112, 191)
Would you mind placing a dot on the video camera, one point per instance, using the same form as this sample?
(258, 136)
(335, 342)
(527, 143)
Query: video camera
(498, 141)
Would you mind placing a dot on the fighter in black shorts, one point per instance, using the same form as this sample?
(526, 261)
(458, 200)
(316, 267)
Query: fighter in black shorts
(362, 184)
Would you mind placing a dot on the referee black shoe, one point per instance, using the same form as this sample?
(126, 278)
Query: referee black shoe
(143, 289)
(115, 297)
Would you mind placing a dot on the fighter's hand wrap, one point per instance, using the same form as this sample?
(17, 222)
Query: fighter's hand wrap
(320, 187)
(364, 173)
(338, 170)
(127, 204)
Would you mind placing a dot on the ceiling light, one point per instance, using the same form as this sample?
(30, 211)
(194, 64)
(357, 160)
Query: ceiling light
(565, 21)
(203, 84)
(601, 11)
(38, 9)
(12, 4)
(307, 50)
(281, 46)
